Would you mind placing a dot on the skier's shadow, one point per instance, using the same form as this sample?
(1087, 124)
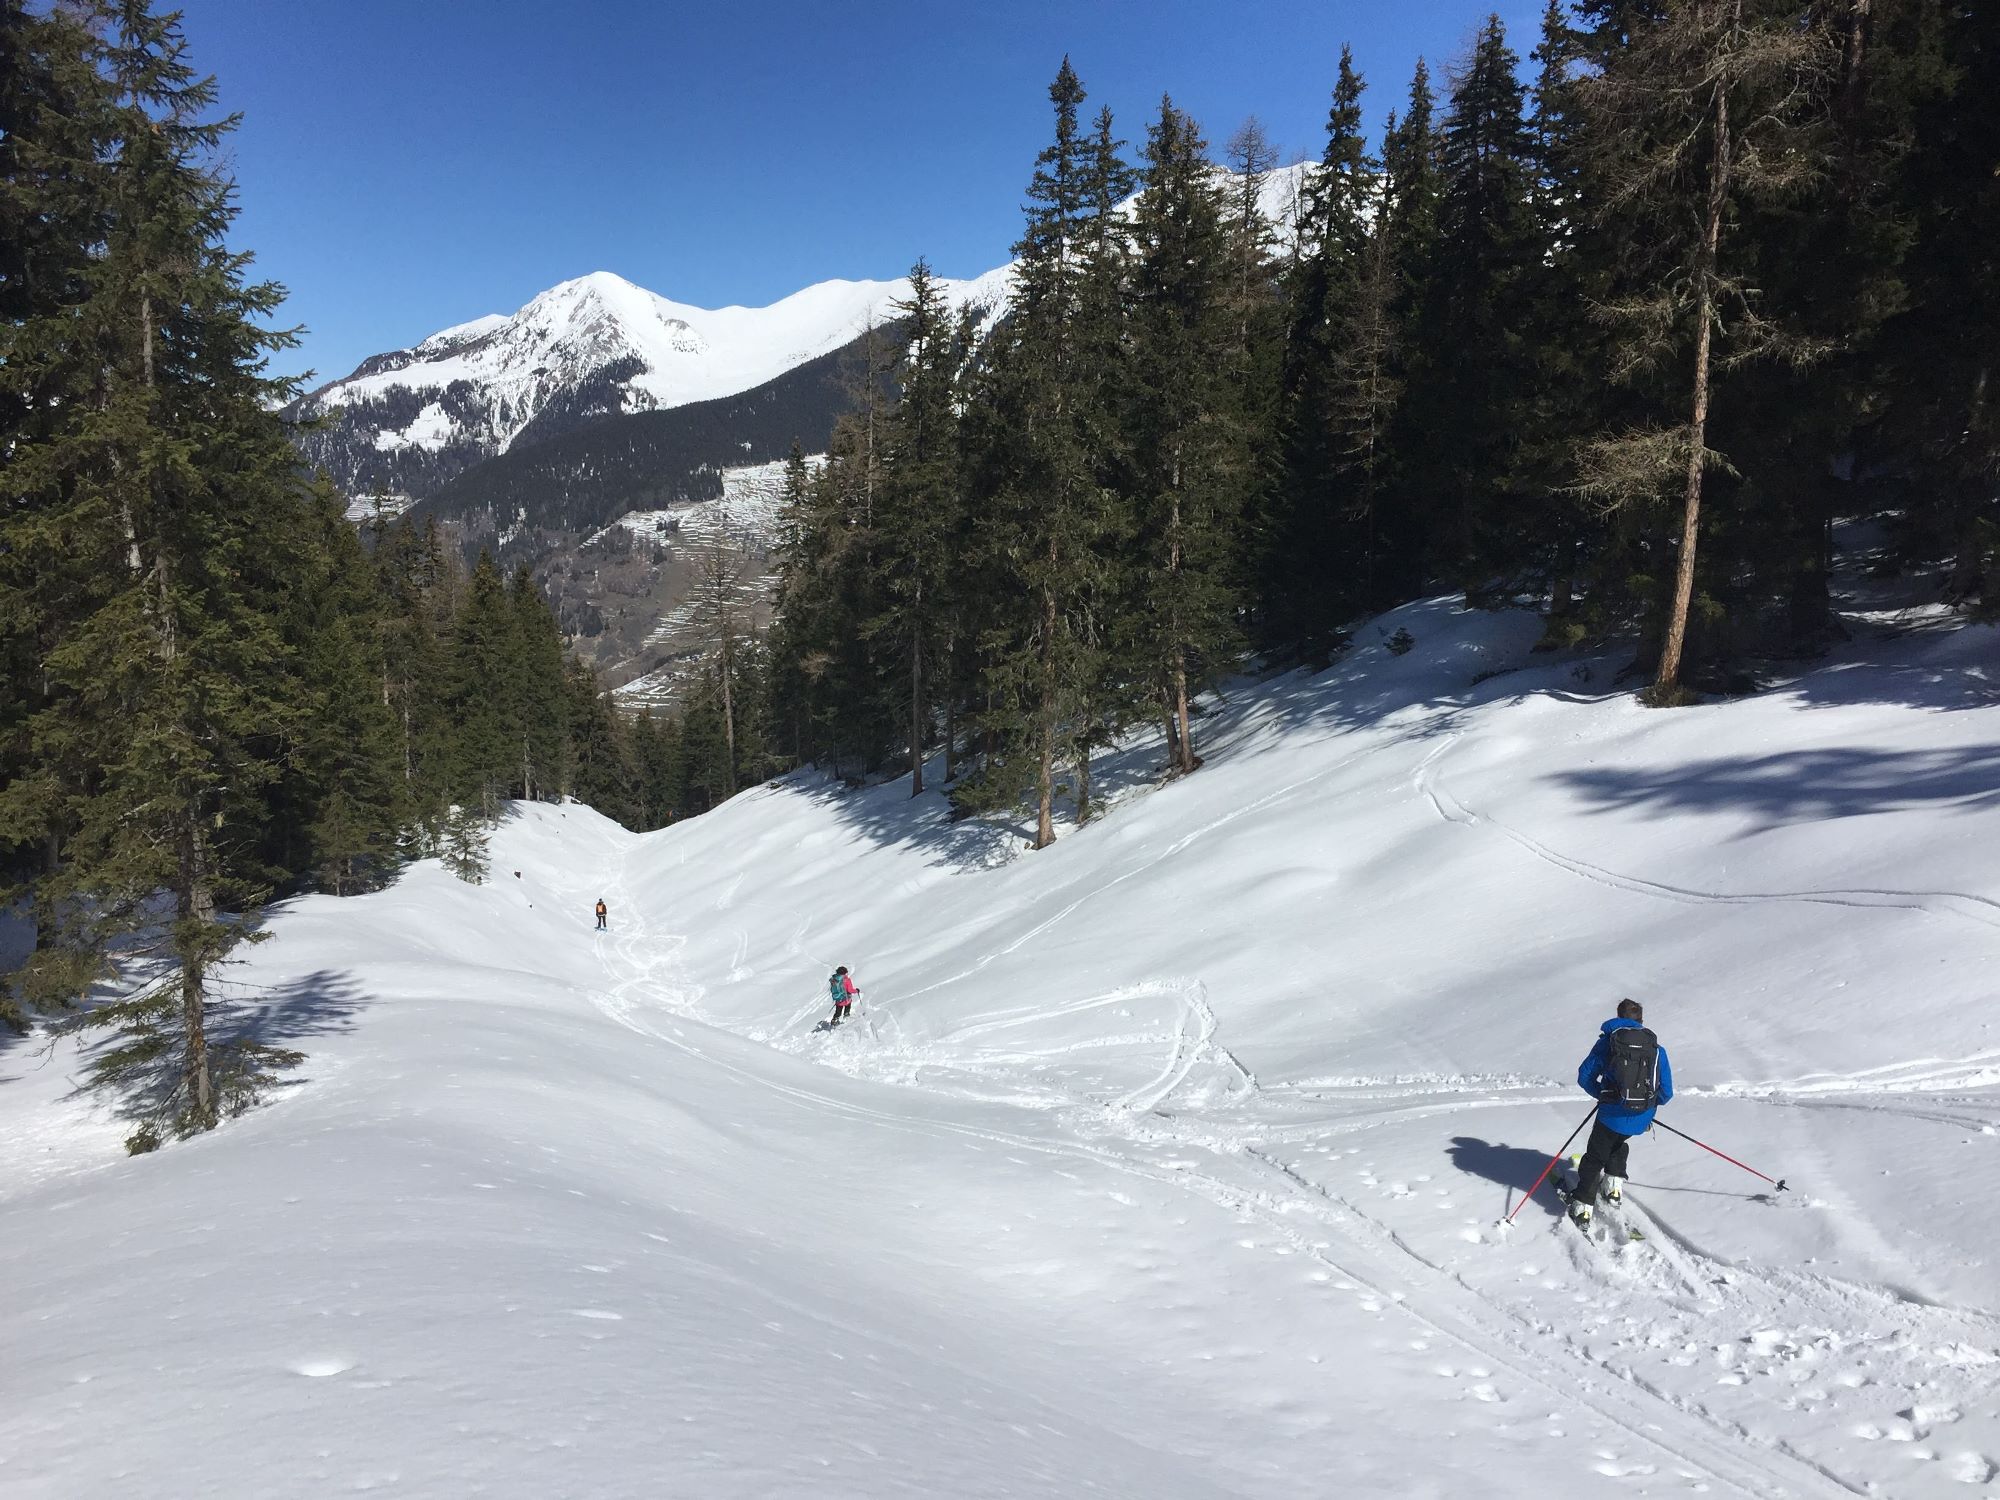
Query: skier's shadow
(1513, 1167)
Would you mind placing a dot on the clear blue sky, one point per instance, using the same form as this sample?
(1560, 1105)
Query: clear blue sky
(409, 164)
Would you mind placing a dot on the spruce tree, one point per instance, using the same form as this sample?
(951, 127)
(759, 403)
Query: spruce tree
(1466, 417)
(598, 772)
(485, 749)
(1186, 425)
(342, 787)
(920, 503)
(1565, 280)
(1307, 567)
(177, 480)
(1412, 202)
(1927, 84)
(56, 558)
(541, 704)
(416, 593)
(1046, 511)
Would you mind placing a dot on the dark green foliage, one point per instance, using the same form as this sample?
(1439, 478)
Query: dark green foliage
(1185, 422)
(1046, 445)
(168, 719)
(1470, 369)
(215, 690)
(1463, 417)
(1308, 583)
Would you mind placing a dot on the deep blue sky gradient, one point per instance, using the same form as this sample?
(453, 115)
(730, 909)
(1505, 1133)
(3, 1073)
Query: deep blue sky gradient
(408, 164)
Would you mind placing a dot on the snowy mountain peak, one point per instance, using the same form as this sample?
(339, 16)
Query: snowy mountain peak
(596, 346)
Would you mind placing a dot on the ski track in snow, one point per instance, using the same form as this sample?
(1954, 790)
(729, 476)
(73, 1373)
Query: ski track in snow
(1799, 1352)
(1334, 1231)
(1228, 1148)
(1959, 904)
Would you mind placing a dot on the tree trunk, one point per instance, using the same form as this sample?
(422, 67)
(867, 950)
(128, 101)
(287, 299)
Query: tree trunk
(1187, 760)
(1083, 781)
(194, 908)
(917, 716)
(950, 723)
(1045, 826)
(1562, 590)
(728, 718)
(1718, 193)
(1971, 569)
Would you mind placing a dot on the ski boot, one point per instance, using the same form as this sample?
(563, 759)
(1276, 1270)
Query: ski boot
(1613, 1191)
(1579, 1214)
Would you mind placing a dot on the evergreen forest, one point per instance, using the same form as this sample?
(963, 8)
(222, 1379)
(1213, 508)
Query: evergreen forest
(1617, 332)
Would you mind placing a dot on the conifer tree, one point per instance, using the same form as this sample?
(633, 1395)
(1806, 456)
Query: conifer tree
(721, 615)
(485, 748)
(1186, 427)
(1307, 571)
(1046, 512)
(342, 787)
(1363, 392)
(1703, 111)
(1412, 202)
(801, 645)
(920, 502)
(54, 565)
(1916, 117)
(1467, 415)
(416, 593)
(177, 479)
(598, 771)
(541, 705)
(1564, 281)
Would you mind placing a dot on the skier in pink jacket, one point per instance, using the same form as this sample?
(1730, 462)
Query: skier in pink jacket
(843, 989)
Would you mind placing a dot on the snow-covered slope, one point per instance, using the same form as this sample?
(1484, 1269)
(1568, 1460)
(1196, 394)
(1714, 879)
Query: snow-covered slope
(1165, 1162)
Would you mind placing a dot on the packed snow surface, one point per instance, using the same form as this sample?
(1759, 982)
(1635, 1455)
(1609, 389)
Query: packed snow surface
(1166, 1162)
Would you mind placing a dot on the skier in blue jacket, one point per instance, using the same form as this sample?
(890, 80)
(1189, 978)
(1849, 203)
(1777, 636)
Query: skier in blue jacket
(1630, 1078)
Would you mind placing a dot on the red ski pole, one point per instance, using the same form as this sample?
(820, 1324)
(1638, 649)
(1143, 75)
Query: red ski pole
(1776, 1182)
(1552, 1164)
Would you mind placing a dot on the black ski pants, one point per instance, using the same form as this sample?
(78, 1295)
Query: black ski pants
(1606, 1153)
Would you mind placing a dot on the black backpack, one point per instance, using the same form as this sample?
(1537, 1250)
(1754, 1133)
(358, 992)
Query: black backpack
(1631, 1066)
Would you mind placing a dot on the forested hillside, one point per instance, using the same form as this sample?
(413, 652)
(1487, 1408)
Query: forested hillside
(539, 496)
(217, 691)
(1619, 342)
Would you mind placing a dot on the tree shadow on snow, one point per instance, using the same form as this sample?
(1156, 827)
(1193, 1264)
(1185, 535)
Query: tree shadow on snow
(254, 1028)
(1795, 786)
(887, 814)
(1439, 657)
(1513, 1167)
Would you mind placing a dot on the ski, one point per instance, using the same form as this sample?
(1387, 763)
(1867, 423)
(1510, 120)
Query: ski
(1609, 1218)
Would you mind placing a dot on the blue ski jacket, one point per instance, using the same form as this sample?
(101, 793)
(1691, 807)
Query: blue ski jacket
(1626, 1119)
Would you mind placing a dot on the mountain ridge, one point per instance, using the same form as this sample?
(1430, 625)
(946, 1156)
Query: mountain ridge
(407, 422)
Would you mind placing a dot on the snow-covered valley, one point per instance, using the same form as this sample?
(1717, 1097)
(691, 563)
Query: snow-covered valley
(1166, 1162)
